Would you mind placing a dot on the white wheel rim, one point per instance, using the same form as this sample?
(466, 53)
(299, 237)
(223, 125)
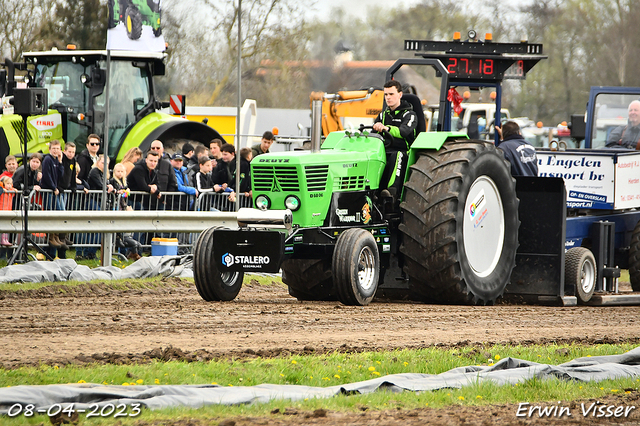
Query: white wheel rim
(229, 278)
(483, 226)
(366, 268)
(587, 276)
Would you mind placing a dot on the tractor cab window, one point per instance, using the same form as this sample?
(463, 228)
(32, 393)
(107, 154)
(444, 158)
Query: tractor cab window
(129, 91)
(67, 94)
(611, 112)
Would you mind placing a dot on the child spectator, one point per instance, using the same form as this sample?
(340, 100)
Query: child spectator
(6, 203)
(10, 164)
(119, 183)
(204, 180)
(32, 181)
(246, 154)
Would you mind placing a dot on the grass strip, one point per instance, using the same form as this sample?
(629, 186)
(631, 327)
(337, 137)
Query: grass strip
(334, 369)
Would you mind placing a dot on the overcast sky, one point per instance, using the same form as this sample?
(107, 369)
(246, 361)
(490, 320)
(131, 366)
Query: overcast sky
(322, 8)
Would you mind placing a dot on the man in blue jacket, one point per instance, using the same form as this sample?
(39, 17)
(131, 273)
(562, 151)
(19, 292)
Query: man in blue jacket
(182, 181)
(520, 153)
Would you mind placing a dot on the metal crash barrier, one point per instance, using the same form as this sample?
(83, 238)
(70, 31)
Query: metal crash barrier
(138, 215)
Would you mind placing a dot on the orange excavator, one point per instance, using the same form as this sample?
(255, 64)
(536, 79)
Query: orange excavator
(349, 108)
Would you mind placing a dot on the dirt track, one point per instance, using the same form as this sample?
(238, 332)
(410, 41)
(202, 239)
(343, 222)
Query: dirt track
(94, 323)
(46, 325)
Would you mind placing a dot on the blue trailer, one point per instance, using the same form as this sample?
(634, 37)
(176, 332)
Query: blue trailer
(599, 233)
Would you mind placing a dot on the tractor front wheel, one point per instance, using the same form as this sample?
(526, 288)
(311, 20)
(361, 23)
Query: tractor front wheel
(356, 267)
(212, 285)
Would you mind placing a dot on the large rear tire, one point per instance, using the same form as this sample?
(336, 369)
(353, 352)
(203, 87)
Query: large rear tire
(212, 285)
(460, 223)
(356, 267)
(580, 272)
(308, 279)
(634, 258)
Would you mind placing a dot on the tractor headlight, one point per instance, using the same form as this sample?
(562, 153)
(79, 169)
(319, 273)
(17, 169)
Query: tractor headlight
(262, 202)
(292, 203)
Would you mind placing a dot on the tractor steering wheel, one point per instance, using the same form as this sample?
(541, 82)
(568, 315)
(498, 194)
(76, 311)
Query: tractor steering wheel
(386, 136)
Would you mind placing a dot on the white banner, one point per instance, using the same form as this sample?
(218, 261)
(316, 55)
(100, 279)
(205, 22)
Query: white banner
(588, 177)
(135, 25)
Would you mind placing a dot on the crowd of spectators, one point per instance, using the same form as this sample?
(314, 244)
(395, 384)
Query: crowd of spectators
(158, 180)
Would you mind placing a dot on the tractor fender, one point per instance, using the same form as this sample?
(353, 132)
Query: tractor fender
(165, 127)
(431, 140)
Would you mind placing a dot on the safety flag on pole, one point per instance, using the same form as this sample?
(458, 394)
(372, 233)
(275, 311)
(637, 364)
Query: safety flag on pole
(135, 25)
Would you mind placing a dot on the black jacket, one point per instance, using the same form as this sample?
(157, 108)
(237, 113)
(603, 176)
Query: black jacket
(85, 162)
(402, 123)
(226, 173)
(140, 178)
(68, 180)
(521, 154)
(166, 176)
(52, 171)
(32, 178)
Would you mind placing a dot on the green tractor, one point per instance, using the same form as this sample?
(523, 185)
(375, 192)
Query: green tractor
(134, 14)
(76, 83)
(320, 219)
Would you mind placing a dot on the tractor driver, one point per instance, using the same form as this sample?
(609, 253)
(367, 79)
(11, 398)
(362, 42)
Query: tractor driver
(397, 123)
(627, 136)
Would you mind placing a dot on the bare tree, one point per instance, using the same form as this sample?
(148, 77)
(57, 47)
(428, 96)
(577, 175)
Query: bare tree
(21, 24)
(206, 52)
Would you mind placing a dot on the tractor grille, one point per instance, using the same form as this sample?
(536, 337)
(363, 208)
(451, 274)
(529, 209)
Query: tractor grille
(275, 178)
(349, 183)
(316, 177)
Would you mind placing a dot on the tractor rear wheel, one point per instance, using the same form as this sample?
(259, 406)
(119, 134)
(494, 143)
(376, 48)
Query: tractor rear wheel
(308, 279)
(580, 272)
(133, 22)
(356, 267)
(460, 223)
(212, 285)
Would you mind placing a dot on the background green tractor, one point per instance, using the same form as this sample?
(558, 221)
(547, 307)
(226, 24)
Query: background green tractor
(134, 14)
(320, 219)
(76, 83)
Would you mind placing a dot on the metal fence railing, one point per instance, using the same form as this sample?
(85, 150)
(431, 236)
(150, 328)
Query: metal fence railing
(92, 200)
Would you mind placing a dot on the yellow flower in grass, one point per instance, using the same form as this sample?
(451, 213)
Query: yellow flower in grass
(336, 376)
(293, 361)
(157, 381)
(139, 381)
(461, 398)
(375, 372)
(125, 384)
(479, 397)
(81, 381)
(372, 368)
(497, 357)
